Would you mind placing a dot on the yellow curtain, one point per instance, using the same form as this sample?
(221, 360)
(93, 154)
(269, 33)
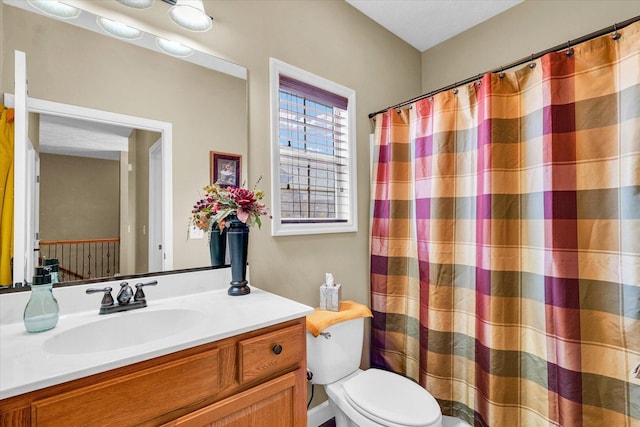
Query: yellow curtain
(6, 194)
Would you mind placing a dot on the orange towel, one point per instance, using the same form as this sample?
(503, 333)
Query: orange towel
(322, 319)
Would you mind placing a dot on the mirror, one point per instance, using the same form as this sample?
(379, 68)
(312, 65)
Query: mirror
(204, 105)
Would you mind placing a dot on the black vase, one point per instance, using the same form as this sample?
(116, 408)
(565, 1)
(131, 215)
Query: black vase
(238, 235)
(217, 245)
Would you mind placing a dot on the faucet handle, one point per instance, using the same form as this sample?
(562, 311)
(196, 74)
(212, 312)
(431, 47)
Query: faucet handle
(107, 299)
(140, 296)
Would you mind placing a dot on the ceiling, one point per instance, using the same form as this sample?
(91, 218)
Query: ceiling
(426, 23)
(73, 137)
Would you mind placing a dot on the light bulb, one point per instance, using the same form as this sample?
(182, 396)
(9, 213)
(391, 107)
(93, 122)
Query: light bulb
(118, 29)
(190, 14)
(55, 8)
(138, 4)
(173, 48)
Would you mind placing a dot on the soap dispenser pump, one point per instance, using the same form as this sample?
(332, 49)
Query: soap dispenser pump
(41, 312)
(51, 264)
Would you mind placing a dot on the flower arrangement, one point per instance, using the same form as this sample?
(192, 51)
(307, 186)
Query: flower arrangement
(219, 202)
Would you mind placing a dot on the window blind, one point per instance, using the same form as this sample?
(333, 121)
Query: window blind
(314, 154)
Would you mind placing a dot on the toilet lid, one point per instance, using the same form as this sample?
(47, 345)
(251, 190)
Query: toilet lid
(391, 399)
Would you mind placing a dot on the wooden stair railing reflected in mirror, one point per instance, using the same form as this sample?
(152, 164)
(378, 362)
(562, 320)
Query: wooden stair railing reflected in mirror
(83, 259)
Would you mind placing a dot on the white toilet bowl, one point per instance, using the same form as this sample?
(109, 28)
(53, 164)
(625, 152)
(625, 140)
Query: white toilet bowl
(370, 398)
(376, 398)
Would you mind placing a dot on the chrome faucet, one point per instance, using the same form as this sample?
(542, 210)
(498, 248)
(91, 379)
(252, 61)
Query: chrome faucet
(125, 294)
(107, 305)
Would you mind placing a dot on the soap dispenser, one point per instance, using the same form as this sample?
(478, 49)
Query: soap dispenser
(41, 312)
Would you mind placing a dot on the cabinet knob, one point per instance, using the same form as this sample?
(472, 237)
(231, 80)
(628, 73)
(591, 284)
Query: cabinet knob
(277, 349)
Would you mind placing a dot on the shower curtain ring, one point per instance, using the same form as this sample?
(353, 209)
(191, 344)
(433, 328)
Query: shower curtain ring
(502, 74)
(616, 34)
(569, 51)
(532, 64)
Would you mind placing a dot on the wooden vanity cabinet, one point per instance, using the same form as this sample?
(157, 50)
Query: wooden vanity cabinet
(254, 379)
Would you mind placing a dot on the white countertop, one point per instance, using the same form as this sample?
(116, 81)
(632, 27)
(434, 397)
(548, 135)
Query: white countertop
(25, 364)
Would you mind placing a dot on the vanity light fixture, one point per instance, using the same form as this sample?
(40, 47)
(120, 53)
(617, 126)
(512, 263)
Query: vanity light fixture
(118, 29)
(138, 4)
(173, 48)
(55, 8)
(190, 15)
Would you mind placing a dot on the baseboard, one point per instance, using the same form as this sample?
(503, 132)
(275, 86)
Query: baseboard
(319, 415)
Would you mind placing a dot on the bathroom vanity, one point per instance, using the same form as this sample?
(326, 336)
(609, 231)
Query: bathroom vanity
(233, 361)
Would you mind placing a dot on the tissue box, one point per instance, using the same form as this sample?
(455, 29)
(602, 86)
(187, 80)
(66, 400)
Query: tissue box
(330, 297)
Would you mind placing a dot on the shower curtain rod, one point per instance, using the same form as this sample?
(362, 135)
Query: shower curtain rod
(570, 43)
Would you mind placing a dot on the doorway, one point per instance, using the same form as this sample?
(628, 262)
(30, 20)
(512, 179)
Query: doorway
(160, 204)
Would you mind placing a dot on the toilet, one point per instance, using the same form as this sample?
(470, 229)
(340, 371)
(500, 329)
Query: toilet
(369, 398)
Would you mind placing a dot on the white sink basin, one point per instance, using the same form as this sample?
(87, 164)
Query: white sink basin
(115, 331)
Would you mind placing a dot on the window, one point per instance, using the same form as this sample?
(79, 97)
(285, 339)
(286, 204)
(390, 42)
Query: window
(312, 153)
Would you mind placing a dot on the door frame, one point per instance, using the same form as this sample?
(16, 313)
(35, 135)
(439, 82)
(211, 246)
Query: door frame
(41, 106)
(156, 157)
(22, 148)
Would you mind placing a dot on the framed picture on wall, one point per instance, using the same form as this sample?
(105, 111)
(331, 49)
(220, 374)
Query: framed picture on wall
(225, 169)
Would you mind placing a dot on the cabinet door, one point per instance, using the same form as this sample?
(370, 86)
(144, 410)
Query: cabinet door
(135, 398)
(277, 403)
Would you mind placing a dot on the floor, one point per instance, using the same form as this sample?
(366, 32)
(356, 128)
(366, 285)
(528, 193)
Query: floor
(446, 422)
(453, 422)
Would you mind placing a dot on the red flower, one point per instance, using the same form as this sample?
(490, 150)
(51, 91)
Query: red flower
(219, 202)
(243, 197)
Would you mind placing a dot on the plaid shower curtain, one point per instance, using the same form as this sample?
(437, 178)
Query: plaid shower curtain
(505, 241)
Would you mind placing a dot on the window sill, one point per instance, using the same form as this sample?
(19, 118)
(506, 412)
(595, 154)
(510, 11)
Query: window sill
(278, 229)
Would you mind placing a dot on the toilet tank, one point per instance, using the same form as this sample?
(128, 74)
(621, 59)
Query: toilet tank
(336, 355)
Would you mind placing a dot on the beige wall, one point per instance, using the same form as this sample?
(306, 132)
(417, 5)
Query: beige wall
(337, 42)
(82, 188)
(528, 28)
(127, 215)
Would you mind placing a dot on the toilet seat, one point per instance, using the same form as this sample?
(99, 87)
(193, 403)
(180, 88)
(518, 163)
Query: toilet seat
(391, 400)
